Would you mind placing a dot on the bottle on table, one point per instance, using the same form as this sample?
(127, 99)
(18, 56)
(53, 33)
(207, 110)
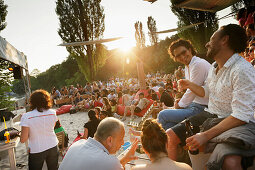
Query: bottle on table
(190, 133)
(6, 134)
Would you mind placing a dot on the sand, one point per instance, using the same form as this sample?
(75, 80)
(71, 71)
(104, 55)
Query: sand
(71, 123)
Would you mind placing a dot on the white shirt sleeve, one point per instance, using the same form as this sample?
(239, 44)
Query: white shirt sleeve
(198, 73)
(24, 120)
(243, 101)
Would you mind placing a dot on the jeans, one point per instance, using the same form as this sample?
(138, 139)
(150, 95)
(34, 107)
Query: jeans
(36, 160)
(170, 117)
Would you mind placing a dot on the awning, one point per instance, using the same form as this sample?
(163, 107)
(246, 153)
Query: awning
(204, 5)
(9, 53)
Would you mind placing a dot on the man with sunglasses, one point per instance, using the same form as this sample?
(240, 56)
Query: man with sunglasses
(196, 70)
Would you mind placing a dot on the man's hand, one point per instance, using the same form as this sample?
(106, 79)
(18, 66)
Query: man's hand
(130, 155)
(183, 84)
(176, 105)
(196, 141)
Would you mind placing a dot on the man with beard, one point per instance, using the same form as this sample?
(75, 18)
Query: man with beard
(228, 124)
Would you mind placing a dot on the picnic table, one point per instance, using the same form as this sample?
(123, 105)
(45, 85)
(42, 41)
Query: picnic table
(10, 147)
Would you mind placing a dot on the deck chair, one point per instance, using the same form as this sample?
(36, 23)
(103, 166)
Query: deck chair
(61, 142)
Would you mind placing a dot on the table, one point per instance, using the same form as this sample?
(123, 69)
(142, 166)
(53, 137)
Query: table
(10, 147)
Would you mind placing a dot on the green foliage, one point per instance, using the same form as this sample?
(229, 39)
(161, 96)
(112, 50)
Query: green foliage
(82, 20)
(157, 57)
(3, 13)
(5, 85)
(200, 34)
(66, 73)
(18, 86)
(241, 4)
(151, 23)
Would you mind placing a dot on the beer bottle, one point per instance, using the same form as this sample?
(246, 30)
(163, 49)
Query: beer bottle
(189, 133)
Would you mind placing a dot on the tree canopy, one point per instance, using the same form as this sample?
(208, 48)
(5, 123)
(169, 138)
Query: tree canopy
(5, 85)
(83, 20)
(199, 35)
(5, 75)
(3, 14)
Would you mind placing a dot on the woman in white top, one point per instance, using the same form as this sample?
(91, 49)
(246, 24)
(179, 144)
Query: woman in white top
(37, 126)
(154, 142)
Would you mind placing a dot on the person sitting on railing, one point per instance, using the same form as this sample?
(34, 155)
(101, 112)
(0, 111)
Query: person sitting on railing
(228, 124)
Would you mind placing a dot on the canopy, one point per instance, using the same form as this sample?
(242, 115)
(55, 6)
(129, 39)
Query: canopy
(204, 5)
(89, 42)
(9, 53)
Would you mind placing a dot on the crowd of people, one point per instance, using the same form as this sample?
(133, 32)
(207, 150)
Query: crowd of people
(108, 95)
(246, 18)
(217, 99)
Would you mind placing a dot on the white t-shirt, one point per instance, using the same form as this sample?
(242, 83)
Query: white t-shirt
(111, 96)
(41, 129)
(142, 103)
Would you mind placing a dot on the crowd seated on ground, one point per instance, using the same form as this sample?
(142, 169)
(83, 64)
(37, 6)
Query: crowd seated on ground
(117, 96)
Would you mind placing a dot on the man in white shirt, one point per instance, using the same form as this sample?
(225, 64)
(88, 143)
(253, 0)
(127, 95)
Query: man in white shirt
(196, 70)
(97, 153)
(228, 123)
(112, 96)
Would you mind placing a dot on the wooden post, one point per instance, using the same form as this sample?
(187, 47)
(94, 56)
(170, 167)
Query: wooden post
(12, 158)
(141, 76)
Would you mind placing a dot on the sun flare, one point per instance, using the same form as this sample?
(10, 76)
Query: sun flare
(126, 44)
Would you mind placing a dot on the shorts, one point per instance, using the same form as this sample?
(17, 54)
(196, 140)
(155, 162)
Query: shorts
(196, 120)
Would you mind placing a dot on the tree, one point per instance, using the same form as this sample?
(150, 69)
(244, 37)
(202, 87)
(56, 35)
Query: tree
(242, 4)
(82, 20)
(59, 75)
(5, 75)
(5, 85)
(139, 35)
(3, 14)
(35, 72)
(200, 34)
(151, 23)
(18, 87)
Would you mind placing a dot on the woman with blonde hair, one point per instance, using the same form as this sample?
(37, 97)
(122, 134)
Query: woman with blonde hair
(37, 126)
(154, 142)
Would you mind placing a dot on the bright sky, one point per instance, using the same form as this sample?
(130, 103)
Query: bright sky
(32, 26)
